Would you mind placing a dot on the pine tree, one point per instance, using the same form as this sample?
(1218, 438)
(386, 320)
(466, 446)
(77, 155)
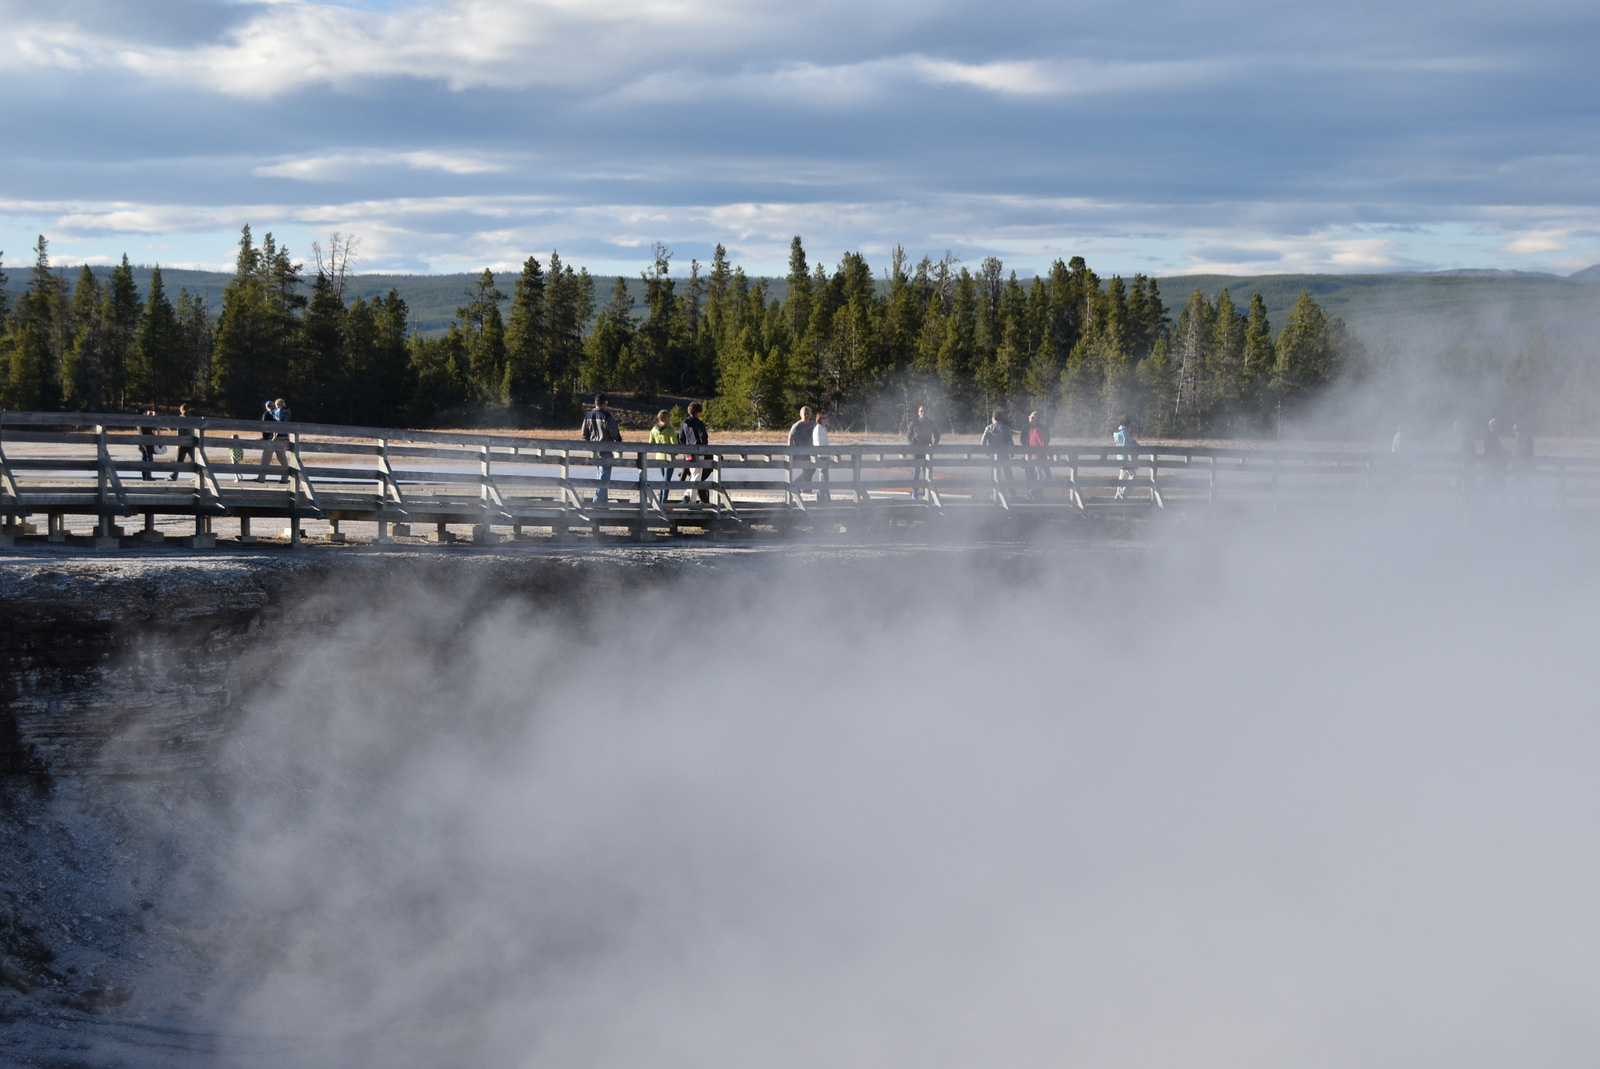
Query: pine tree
(155, 377)
(362, 404)
(195, 340)
(527, 341)
(393, 374)
(1257, 361)
(957, 359)
(484, 334)
(1306, 356)
(320, 377)
(661, 342)
(608, 357)
(569, 305)
(38, 334)
(83, 382)
(797, 303)
(442, 372)
(1220, 390)
(119, 316)
(238, 384)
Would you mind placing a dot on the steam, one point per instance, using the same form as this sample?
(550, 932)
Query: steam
(1294, 796)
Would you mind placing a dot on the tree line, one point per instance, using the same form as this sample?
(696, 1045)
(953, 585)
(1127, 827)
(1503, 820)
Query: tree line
(865, 348)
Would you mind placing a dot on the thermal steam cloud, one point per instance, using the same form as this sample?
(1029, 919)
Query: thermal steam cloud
(1300, 796)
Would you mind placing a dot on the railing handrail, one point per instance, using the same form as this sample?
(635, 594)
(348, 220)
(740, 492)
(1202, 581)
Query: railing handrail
(1066, 450)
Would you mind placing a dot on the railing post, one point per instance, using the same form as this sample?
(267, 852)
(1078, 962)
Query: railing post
(483, 532)
(855, 485)
(644, 495)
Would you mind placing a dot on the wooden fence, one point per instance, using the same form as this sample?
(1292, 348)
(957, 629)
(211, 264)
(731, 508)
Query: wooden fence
(55, 466)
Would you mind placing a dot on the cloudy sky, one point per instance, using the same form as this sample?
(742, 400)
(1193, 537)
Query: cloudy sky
(1163, 137)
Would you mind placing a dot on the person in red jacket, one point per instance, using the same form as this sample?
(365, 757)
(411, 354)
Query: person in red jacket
(1038, 438)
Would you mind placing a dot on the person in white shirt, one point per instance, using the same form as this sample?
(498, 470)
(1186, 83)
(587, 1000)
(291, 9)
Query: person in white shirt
(819, 437)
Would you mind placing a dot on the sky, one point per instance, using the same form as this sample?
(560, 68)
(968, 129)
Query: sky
(449, 135)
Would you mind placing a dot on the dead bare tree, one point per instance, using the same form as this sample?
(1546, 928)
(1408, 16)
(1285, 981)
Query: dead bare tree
(338, 259)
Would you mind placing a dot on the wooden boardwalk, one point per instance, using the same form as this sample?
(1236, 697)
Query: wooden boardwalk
(60, 471)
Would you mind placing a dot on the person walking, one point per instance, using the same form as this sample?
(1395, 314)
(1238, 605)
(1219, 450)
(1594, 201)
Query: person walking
(922, 434)
(997, 436)
(277, 441)
(800, 434)
(600, 426)
(663, 434)
(147, 448)
(1123, 436)
(1494, 453)
(185, 452)
(692, 431)
(819, 438)
(1038, 438)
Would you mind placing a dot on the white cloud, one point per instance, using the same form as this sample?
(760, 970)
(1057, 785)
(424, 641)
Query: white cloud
(1069, 77)
(468, 43)
(1335, 252)
(291, 44)
(1535, 242)
(344, 165)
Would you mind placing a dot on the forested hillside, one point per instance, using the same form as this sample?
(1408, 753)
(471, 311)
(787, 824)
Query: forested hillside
(868, 343)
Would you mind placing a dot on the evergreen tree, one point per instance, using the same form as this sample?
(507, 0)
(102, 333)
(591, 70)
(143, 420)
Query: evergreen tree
(527, 342)
(26, 365)
(957, 359)
(363, 401)
(120, 311)
(569, 305)
(83, 380)
(258, 330)
(484, 334)
(608, 359)
(1221, 395)
(1307, 357)
(1258, 359)
(319, 361)
(393, 384)
(798, 301)
(195, 340)
(661, 343)
(36, 338)
(442, 371)
(238, 383)
(155, 377)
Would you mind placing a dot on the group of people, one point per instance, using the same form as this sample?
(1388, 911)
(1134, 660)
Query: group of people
(1484, 456)
(999, 436)
(811, 429)
(276, 449)
(601, 426)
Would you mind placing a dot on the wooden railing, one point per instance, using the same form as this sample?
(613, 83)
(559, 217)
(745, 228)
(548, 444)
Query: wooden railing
(56, 465)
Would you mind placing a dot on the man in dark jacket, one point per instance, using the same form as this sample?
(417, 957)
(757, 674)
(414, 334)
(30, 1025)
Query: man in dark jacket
(693, 432)
(800, 434)
(600, 426)
(922, 434)
(997, 436)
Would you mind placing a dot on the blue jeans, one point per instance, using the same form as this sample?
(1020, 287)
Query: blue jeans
(603, 495)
